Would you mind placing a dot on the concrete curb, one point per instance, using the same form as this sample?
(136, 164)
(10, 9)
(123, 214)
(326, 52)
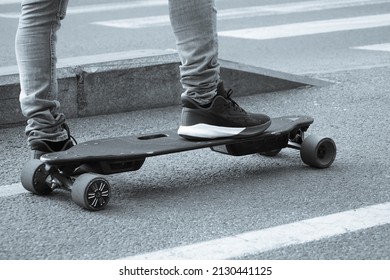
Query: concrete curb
(120, 82)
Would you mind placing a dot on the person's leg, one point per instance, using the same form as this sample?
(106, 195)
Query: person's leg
(208, 110)
(194, 23)
(35, 46)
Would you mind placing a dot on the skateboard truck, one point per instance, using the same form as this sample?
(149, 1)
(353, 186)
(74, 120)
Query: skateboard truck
(88, 190)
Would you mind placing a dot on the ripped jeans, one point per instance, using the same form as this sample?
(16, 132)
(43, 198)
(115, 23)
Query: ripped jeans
(194, 26)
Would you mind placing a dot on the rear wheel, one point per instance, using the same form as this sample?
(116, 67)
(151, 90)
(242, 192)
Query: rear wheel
(33, 177)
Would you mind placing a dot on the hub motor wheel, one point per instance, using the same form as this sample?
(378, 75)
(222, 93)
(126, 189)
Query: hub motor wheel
(91, 191)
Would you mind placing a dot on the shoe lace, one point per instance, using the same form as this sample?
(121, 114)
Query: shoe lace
(73, 139)
(66, 127)
(236, 107)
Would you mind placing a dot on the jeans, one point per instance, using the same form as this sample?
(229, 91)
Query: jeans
(193, 23)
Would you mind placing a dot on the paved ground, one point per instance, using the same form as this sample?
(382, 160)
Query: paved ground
(193, 197)
(197, 196)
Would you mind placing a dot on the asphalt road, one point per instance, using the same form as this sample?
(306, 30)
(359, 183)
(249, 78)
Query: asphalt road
(80, 35)
(198, 196)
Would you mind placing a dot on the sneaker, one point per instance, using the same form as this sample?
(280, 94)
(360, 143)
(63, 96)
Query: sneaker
(222, 118)
(41, 147)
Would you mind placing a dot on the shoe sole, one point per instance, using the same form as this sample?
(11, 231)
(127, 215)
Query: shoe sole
(206, 131)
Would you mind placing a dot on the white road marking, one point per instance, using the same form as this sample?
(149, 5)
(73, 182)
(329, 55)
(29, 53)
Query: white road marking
(309, 28)
(294, 7)
(6, 2)
(135, 23)
(378, 47)
(246, 12)
(13, 189)
(96, 8)
(256, 242)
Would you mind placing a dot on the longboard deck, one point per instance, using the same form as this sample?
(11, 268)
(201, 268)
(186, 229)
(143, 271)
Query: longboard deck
(147, 145)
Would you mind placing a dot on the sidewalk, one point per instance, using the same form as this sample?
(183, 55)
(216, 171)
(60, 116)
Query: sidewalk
(136, 80)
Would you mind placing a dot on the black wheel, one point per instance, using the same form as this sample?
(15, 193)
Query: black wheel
(91, 192)
(318, 152)
(272, 153)
(34, 176)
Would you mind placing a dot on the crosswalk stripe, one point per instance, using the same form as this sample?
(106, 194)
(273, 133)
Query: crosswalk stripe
(105, 7)
(378, 47)
(115, 6)
(135, 23)
(309, 28)
(6, 2)
(235, 13)
(293, 7)
(245, 12)
(256, 242)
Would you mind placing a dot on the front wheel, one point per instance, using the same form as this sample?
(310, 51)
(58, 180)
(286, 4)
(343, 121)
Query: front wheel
(318, 152)
(91, 192)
